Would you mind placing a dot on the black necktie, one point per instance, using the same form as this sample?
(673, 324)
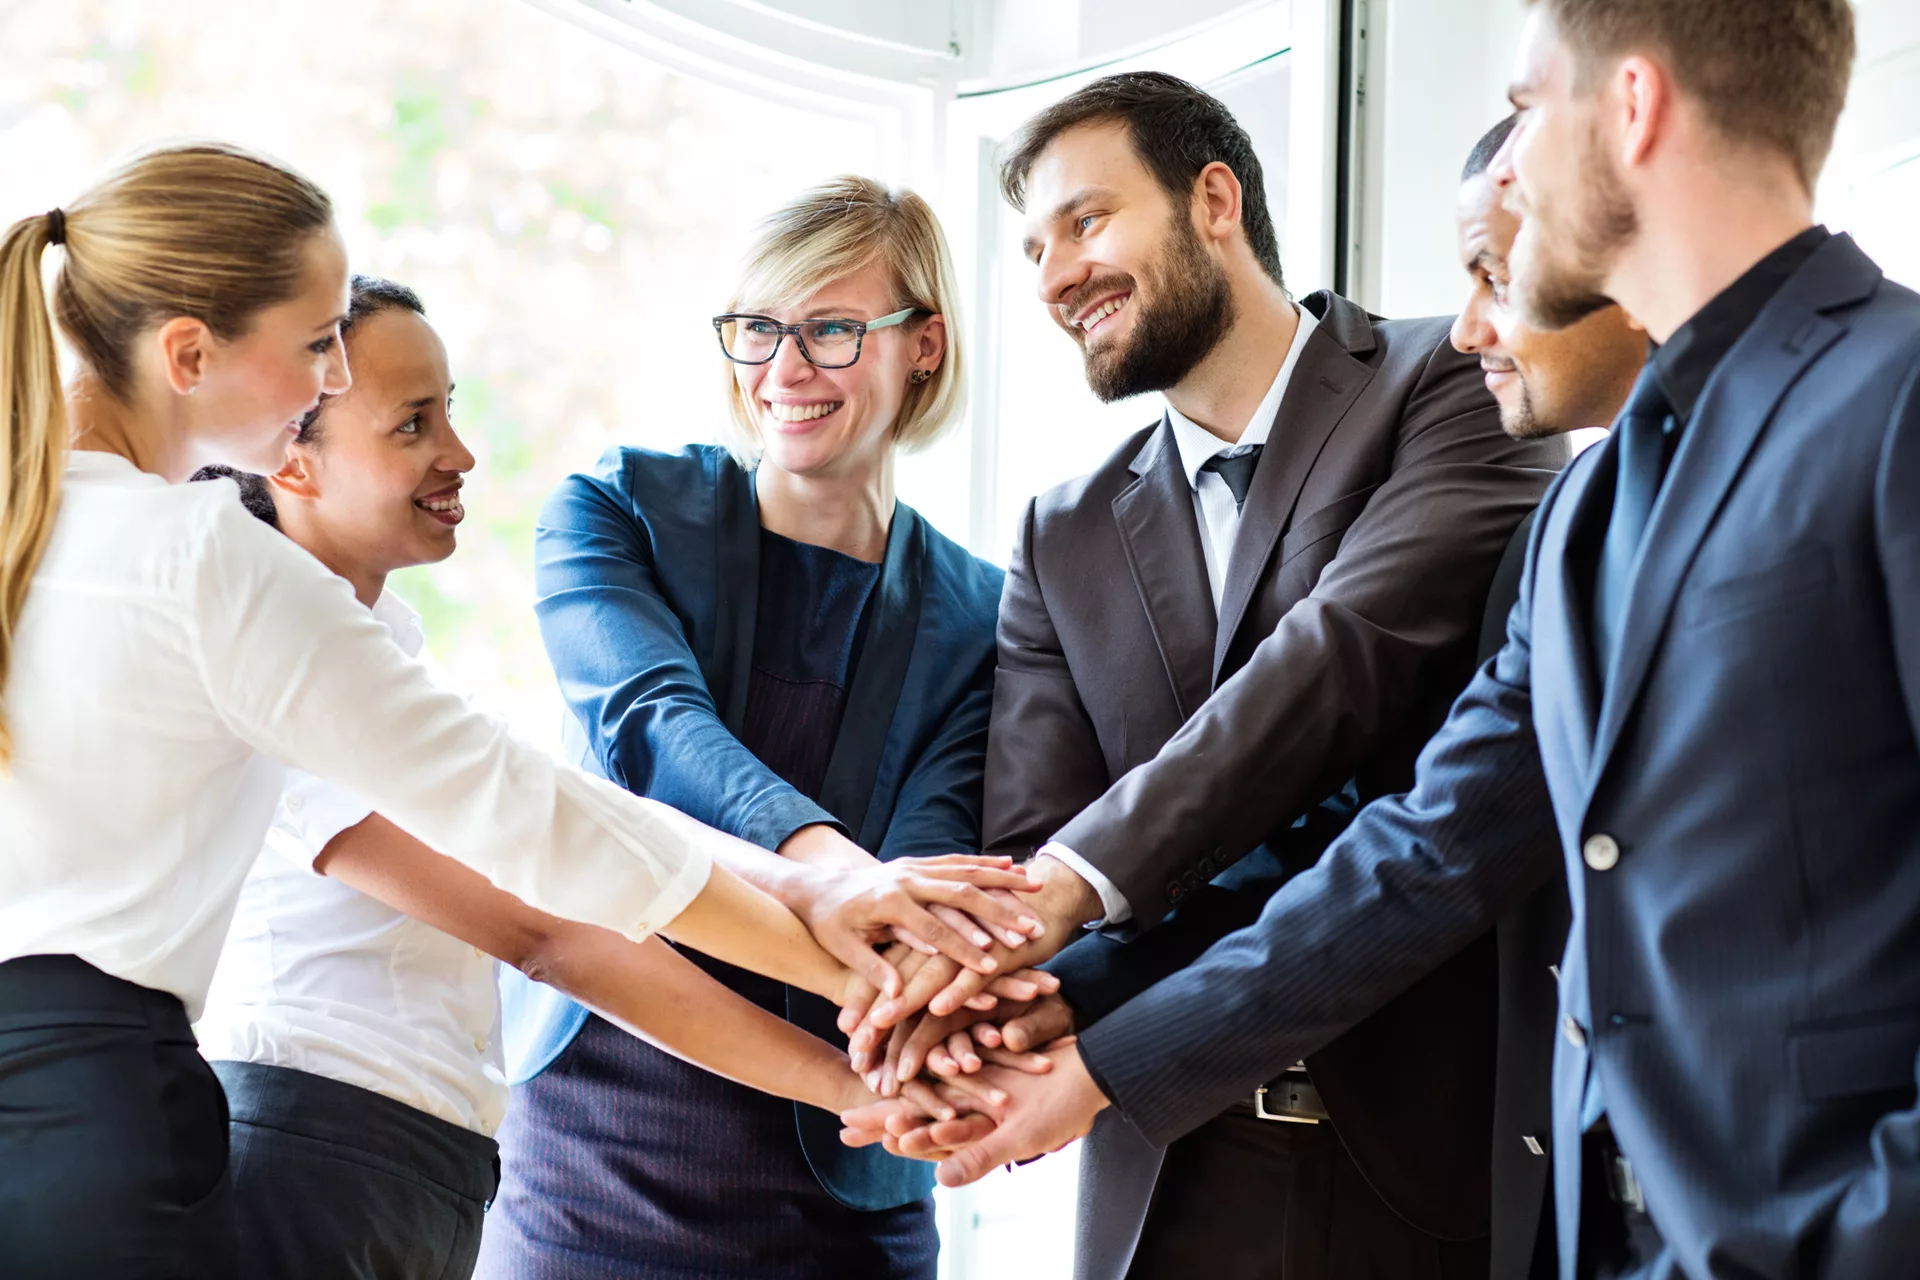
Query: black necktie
(1643, 430)
(1236, 470)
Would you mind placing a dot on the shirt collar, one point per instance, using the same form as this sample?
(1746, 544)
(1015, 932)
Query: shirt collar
(1197, 444)
(399, 618)
(1687, 359)
(98, 465)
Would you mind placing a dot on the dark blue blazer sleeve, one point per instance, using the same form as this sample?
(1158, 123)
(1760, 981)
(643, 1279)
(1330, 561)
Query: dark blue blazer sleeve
(1413, 880)
(1873, 1226)
(938, 810)
(630, 677)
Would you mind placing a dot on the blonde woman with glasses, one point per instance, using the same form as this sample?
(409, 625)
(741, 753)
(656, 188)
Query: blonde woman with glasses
(763, 636)
(161, 650)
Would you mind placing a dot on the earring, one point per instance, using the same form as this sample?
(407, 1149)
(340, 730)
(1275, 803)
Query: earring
(919, 376)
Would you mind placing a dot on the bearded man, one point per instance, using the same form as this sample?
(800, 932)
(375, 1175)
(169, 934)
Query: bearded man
(1213, 649)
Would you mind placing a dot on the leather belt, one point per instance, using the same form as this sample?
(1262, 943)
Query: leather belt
(1290, 1098)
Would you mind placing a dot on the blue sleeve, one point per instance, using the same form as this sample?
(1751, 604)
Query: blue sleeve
(1872, 1233)
(631, 680)
(938, 807)
(1412, 881)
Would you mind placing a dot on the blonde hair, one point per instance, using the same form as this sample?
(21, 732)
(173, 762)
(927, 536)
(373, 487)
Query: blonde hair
(208, 231)
(832, 231)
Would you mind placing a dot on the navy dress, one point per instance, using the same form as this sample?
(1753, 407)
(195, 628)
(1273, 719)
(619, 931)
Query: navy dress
(631, 1163)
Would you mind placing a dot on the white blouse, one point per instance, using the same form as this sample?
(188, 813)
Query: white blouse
(171, 649)
(321, 978)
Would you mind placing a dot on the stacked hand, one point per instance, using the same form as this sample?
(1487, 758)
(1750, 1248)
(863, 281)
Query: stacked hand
(1036, 1112)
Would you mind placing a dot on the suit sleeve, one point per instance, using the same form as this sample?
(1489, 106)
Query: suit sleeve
(1044, 762)
(1873, 1225)
(1345, 665)
(1412, 881)
(631, 680)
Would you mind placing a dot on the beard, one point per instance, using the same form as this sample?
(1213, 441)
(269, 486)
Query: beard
(1188, 309)
(1562, 254)
(1519, 420)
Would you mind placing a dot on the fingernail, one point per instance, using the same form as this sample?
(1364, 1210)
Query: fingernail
(1029, 923)
(982, 940)
(996, 1096)
(989, 964)
(1039, 928)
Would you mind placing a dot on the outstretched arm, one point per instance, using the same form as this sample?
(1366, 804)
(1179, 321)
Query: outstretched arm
(647, 987)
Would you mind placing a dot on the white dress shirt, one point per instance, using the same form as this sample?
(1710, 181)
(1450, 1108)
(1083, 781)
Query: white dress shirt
(1219, 519)
(318, 977)
(171, 649)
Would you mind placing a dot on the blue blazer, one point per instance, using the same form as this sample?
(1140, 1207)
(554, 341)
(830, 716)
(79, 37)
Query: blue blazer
(647, 573)
(1744, 977)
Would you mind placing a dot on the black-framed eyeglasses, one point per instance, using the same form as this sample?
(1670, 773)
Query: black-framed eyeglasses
(826, 343)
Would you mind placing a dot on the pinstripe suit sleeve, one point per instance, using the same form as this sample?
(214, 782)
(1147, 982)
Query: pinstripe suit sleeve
(1413, 880)
(1872, 1233)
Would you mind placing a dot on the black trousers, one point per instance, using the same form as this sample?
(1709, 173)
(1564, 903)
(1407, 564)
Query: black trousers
(113, 1132)
(335, 1182)
(1242, 1198)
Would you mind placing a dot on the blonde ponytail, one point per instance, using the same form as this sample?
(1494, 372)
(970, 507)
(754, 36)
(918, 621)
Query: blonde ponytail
(33, 445)
(205, 230)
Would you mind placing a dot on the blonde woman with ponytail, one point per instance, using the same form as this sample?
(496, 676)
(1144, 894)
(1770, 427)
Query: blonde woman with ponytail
(164, 654)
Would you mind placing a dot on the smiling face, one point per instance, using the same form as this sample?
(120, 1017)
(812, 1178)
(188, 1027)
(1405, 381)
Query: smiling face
(379, 487)
(1546, 380)
(818, 422)
(252, 391)
(1122, 269)
(1563, 183)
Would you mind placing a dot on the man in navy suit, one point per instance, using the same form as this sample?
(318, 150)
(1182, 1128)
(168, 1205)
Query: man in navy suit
(1709, 702)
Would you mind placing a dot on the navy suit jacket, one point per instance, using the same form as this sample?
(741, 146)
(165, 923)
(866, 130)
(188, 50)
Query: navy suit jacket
(648, 576)
(1745, 980)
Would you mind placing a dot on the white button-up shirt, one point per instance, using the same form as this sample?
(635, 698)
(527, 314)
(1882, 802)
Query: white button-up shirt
(1219, 519)
(318, 977)
(172, 649)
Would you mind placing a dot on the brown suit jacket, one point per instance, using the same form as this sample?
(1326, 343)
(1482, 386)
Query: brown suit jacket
(1199, 764)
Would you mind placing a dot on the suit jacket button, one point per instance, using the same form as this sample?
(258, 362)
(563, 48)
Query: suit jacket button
(1571, 1029)
(1173, 891)
(1601, 853)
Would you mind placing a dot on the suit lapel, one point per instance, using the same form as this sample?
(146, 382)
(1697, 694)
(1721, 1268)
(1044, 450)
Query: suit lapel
(736, 532)
(1324, 385)
(893, 619)
(1789, 334)
(1161, 537)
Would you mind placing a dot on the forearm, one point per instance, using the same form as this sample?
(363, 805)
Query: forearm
(732, 920)
(646, 987)
(668, 1001)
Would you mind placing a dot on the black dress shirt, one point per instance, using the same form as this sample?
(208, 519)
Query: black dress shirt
(1686, 360)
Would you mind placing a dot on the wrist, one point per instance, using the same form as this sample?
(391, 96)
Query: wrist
(1065, 900)
(1086, 1090)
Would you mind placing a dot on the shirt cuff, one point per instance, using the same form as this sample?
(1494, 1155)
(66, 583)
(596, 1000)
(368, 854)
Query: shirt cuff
(1114, 903)
(311, 813)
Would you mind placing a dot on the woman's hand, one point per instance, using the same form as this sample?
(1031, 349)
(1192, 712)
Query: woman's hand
(942, 905)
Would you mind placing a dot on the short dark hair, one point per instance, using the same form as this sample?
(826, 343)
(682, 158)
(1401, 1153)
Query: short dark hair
(1772, 72)
(368, 296)
(1177, 129)
(255, 496)
(1480, 159)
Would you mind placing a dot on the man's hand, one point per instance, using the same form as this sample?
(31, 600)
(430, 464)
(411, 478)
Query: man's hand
(1042, 1113)
(941, 905)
